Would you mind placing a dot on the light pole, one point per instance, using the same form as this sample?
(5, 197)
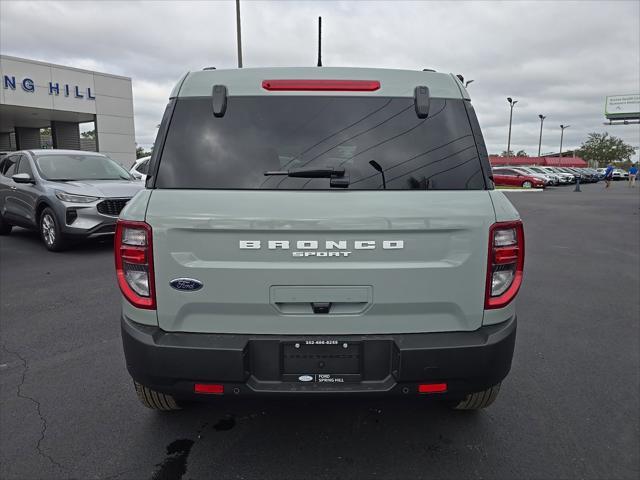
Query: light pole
(238, 34)
(541, 117)
(562, 127)
(512, 102)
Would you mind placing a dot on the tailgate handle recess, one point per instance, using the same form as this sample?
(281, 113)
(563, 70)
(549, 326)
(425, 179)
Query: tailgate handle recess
(321, 307)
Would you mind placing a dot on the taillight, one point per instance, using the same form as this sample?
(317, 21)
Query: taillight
(134, 263)
(505, 263)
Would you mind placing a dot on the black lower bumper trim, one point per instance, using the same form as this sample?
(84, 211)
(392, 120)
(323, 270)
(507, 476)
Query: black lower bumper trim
(253, 364)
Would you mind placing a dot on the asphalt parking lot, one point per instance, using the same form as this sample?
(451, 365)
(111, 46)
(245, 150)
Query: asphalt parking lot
(569, 408)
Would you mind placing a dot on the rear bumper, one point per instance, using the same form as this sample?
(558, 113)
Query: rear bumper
(253, 364)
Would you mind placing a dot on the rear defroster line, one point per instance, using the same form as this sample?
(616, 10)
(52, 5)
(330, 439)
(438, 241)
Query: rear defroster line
(420, 155)
(351, 138)
(338, 132)
(396, 136)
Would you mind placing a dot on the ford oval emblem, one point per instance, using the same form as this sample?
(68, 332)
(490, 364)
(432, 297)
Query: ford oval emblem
(305, 378)
(186, 284)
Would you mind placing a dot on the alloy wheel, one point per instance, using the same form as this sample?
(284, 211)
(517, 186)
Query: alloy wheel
(48, 229)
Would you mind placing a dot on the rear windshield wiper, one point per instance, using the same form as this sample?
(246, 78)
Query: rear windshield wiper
(309, 172)
(337, 176)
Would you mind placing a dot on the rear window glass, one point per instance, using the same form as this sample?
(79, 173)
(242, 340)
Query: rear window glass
(278, 133)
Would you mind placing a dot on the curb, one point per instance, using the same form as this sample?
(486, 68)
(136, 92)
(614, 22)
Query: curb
(521, 190)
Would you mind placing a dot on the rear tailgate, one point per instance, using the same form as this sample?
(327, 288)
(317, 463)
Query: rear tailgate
(430, 277)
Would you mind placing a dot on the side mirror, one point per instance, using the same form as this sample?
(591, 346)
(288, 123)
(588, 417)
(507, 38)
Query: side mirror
(22, 178)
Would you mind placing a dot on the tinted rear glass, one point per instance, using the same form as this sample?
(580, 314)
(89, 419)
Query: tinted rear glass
(263, 133)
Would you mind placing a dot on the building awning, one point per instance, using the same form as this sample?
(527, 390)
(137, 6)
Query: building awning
(542, 161)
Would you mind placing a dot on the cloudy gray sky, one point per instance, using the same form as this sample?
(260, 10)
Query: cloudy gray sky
(557, 58)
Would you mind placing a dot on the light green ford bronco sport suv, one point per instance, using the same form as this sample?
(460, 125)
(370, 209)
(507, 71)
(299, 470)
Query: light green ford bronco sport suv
(325, 231)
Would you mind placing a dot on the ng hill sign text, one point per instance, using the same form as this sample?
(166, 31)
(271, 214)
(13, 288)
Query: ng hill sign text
(28, 85)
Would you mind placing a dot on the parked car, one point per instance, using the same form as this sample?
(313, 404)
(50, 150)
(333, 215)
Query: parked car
(574, 175)
(64, 194)
(619, 174)
(508, 177)
(140, 168)
(584, 178)
(591, 177)
(594, 174)
(554, 177)
(565, 178)
(338, 256)
(548, 179)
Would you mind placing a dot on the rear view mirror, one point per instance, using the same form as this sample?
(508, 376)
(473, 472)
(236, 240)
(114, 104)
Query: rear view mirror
(22, 178)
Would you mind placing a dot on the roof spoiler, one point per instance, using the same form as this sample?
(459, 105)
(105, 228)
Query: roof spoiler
(421, 101)
(219, 100)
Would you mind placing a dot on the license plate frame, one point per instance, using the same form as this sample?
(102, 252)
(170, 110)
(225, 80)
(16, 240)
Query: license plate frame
(321, 361)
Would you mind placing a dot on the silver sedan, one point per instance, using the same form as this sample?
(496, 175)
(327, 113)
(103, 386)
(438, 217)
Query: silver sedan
(64, 194)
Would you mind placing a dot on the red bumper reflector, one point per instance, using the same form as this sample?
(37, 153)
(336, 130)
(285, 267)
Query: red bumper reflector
(432, 388)
(322, 85)
(209, 388)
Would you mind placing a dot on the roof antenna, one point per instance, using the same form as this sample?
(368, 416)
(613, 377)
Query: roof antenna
(238, 33)
(319, 41)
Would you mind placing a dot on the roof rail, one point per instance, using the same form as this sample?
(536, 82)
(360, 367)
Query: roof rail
(209, 68)
(428, 70)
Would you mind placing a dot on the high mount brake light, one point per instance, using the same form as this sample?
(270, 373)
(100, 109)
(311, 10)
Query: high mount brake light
(505, 263)
(134, 263)
(322, 85)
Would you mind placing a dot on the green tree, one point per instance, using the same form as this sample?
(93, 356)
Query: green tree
(89, 134)
(603, 149)
(521, 153)
(507, 153)
(140, 152)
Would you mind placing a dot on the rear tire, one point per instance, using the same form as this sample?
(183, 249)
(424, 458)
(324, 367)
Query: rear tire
(50, 231)
(5, 228)
(478, 400)
(155, 400)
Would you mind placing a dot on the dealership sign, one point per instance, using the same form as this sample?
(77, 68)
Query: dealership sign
(27, 84)
(623, 107)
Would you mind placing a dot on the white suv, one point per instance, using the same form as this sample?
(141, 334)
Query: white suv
(140, 168)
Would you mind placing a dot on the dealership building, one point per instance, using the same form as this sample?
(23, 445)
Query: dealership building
(37, 95)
